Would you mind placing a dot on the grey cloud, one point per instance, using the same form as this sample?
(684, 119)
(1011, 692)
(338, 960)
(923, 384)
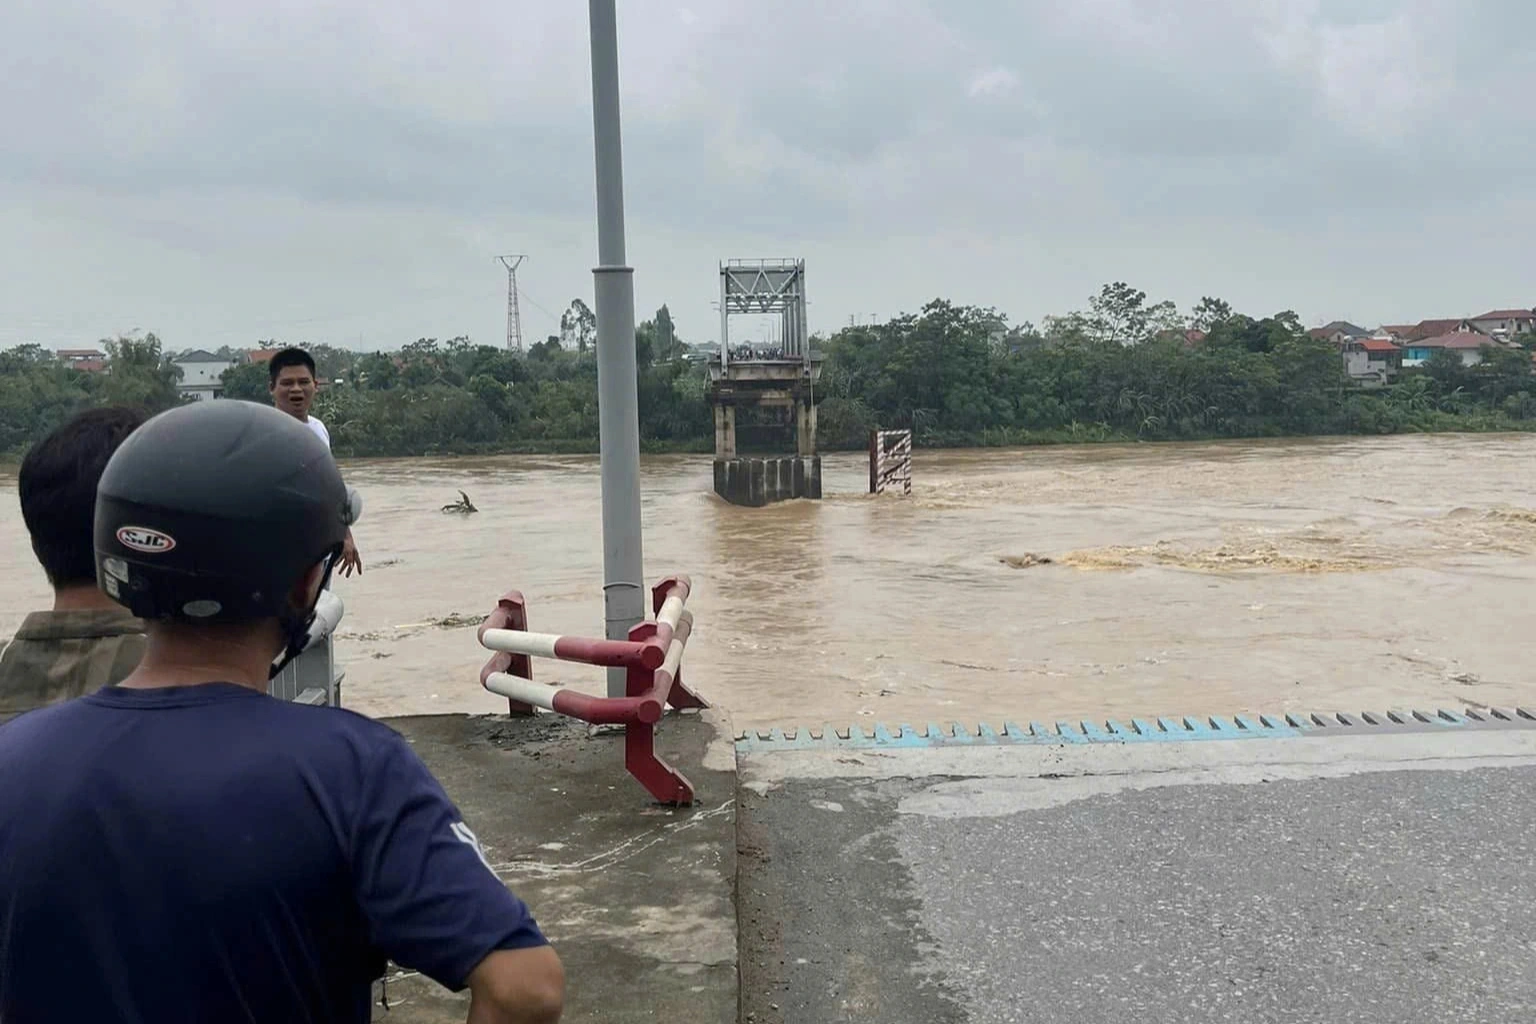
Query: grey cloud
(836, 86)
(839, 123)
(1209, 115)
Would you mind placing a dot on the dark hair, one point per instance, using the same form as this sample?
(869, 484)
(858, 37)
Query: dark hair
(286, 358)
(57, 487)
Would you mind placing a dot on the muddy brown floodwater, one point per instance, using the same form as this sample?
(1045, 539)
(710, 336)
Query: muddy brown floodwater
(1144, 580)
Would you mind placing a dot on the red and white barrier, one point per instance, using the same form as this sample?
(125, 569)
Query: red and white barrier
(597, 710)
(608, 653)
(652, 658)
(890, 461)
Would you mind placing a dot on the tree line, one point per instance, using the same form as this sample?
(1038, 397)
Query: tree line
(1121, 369)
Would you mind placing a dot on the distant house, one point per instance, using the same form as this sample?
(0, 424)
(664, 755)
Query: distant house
(1504, 323)
(86, 360)
(1394, 332)
(201, 374)
(1339, 332)
(1435, 329)
(1468, 344)
(1371, 362)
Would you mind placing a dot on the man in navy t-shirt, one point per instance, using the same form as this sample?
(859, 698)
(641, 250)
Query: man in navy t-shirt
(184, 848)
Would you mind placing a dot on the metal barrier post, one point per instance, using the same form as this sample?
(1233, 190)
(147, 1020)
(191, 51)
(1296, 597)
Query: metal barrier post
(650, 659)
(511, 613)
(679, 696)
(661, 780)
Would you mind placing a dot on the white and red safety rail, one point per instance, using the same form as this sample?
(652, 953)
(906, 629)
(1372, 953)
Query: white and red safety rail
(651, 657)
(890, 461)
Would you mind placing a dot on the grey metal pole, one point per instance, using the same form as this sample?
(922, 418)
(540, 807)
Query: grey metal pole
(725, 324)
(618, 406)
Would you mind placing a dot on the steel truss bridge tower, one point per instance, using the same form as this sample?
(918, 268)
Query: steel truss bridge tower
(780, 374)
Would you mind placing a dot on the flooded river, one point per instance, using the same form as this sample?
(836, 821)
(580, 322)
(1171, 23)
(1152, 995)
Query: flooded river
(1025, 584)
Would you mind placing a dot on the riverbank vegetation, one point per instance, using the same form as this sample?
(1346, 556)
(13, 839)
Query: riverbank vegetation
(1122, 369)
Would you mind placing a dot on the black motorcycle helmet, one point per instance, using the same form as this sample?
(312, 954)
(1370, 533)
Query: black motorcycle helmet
(212, 512)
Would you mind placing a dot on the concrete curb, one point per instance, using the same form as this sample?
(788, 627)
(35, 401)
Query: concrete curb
(1181, 729)
(638, 899)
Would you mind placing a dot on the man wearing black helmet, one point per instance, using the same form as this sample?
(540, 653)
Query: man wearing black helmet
(182, 847)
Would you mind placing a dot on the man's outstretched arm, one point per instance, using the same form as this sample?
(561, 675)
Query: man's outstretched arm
(517, 986)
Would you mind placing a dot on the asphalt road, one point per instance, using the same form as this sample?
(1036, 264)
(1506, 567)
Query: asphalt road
(1380, 896)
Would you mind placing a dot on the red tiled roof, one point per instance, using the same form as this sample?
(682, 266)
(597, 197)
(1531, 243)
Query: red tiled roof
(1433, 328)
(1455, 340)
(1377, 345)
(1397, 328)
(1507, 314)
(262, 355)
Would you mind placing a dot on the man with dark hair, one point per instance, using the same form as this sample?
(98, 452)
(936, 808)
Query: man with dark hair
(87, 640)
(292, 380)
(184, 847)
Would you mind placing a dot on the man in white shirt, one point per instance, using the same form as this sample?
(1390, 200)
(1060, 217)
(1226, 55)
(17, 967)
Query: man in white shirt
(292, 381)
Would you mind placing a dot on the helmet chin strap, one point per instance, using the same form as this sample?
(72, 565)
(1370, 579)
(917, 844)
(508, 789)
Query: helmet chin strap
(295, 624)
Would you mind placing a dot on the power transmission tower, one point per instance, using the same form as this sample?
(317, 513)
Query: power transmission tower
(514, 315)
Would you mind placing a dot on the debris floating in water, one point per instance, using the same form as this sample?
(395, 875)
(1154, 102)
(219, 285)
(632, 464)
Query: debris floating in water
(1028, 560)
(454, 620)
(1229, 557)
(461, 507)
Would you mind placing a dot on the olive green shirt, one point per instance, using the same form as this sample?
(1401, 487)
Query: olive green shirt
(56, 656)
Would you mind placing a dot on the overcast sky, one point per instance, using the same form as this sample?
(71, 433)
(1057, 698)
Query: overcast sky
(346, 171)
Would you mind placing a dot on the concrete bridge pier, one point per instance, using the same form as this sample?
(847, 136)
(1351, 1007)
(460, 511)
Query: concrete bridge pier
(781, 384)
(755, 482)
(805, 425)
(780, 376)
(725, 430)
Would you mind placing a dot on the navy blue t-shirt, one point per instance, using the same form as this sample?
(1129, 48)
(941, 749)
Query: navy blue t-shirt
(207, 853)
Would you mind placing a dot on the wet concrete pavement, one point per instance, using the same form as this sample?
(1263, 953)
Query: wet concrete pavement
(637, 899)
(1379, 880)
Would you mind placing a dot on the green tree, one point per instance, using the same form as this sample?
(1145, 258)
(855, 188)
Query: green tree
(1501, 373)
(138, 373)
(1119, 314)
(578, 326)
(37, 394)
(331, 362)
(646, 344)
(1447, 370)
(668, 347)
(1209, 312)
(954, 374)
(247, 381)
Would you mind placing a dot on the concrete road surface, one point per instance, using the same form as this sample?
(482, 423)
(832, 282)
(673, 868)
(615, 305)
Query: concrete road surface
(1386, 879)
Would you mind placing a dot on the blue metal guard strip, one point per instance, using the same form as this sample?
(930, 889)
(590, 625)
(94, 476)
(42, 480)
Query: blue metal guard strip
(1180, 729)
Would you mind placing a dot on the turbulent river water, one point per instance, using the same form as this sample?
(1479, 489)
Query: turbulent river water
(1348, 574)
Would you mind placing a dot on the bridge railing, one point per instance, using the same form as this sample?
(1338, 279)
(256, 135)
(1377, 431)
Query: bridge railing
(652, 658)
(312, 677)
